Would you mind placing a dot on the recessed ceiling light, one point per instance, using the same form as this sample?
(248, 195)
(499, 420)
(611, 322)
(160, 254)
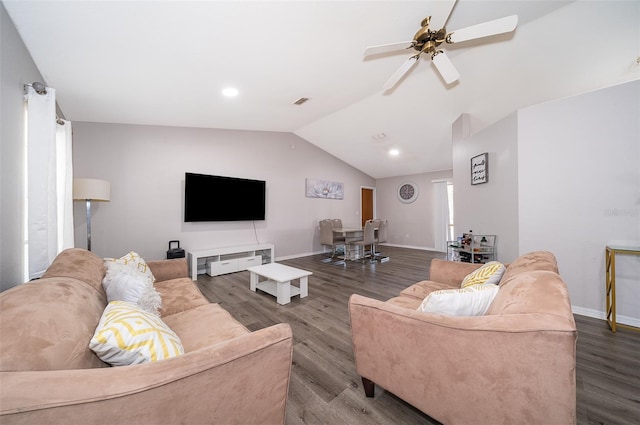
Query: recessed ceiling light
(230, 92)
(394, 152)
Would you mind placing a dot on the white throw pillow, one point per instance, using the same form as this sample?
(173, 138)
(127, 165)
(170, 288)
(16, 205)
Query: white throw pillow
(489, 273)
(134, 260)
(129, 279)
(470, 301)
(129, 335)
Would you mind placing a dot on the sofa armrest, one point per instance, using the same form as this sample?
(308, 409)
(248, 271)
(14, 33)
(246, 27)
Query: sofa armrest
(240, 381)
(169, 269)
(501, 368)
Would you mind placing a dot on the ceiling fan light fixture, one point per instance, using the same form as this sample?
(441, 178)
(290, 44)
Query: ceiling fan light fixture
(432, 34)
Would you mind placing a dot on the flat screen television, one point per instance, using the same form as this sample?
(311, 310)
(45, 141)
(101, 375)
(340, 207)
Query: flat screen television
(218, 198)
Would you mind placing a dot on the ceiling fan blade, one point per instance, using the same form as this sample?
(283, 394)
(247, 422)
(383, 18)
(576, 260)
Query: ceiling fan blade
(384, 48)
(441, 11)
(406, 66)
(498, 26)
(445, 67)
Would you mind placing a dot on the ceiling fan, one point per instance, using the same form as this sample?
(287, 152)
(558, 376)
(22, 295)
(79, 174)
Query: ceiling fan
(428, 41)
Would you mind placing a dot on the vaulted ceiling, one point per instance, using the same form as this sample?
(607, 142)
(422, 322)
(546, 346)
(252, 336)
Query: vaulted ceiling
(166, 62)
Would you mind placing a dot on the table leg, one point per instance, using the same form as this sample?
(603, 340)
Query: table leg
(284, 292)
(610, 287)
(253, 281)
(304, 286)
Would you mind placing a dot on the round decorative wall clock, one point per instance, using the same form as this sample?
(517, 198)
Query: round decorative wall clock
(407, 192)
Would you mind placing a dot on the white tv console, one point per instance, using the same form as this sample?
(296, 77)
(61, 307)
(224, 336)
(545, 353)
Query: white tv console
(229, 259)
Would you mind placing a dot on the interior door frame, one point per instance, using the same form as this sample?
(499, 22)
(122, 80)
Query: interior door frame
(373, 201)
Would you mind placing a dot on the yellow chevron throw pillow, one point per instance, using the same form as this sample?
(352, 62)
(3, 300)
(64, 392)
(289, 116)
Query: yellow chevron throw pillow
(127, 335)
(490, 273)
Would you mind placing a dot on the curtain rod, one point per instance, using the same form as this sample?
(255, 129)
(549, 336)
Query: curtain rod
(41, 89)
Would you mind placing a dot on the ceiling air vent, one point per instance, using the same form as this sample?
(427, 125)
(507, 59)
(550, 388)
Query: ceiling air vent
(301, 101)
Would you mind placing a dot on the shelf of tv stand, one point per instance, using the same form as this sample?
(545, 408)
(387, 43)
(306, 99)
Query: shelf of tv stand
(229, 259)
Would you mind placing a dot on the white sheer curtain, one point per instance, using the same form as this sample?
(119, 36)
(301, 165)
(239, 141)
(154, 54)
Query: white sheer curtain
(47, 190)
(64, 184)
(441, 215)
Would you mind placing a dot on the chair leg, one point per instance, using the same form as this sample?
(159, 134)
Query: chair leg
(369, 387)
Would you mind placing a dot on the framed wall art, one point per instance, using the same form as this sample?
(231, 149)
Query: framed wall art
(480, 169)
(317, 188)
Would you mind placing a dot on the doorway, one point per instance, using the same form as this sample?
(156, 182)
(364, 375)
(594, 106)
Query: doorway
(367, 195)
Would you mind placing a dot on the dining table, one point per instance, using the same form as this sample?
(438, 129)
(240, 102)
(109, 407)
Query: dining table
(350, 234)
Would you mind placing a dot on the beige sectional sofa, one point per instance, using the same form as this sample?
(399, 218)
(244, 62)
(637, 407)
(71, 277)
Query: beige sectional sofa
(513, 365)
(48, 374)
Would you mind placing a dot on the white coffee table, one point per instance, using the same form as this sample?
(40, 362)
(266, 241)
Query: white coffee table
(279, 281)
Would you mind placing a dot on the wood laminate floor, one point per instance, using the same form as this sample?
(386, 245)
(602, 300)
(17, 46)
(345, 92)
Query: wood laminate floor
(325, 388)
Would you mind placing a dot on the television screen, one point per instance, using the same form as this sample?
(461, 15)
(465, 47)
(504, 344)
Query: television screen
(218, 198)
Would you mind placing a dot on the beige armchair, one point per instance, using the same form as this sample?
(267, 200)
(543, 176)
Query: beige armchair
(514, 365)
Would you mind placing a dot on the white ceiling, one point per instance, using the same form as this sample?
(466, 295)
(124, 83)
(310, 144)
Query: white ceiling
(165, 63)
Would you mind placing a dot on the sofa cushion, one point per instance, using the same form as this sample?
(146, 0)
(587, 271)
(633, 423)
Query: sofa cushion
(405, 301)
(421, 289)
(179, 295)
(204, 326)
(470, 301)
(537, 291)
(46, 324)
(538, 260)
(78, 264)
(129, 335)
(450, 272)
(489, 273)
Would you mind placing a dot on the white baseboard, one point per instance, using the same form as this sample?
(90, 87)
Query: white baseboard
(305, 254)
(423, 248)
(597, 314)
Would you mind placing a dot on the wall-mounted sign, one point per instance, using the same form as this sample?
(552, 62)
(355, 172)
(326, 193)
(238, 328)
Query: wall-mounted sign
(480, 168)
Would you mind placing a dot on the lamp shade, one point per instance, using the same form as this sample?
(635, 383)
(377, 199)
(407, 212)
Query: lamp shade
(95, 190)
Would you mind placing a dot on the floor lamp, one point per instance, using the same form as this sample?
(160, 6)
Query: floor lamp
(91, 190)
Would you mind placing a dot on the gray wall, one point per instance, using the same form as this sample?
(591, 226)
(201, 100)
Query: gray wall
(489, 208)
(146, 166)
(410, 225)
(579, 189)
(563, 177)
(16, 69)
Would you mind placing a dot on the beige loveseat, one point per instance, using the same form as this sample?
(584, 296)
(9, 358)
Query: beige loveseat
(48, 374)
(513, 365)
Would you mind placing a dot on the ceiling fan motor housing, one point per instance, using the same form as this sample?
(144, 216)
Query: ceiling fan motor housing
(426, 40)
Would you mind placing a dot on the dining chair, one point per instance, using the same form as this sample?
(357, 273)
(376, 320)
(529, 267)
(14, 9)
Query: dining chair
(381, 237)
(368, 239)
(327, 236)
(337, 224)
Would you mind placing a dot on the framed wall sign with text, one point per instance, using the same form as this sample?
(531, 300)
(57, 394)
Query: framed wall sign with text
(480, 168)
